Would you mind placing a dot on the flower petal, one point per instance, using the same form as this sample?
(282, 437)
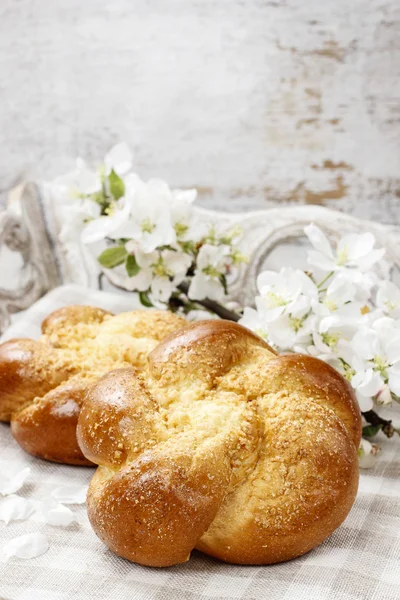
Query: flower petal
(266, 279)
(384, 396)
(267, 313)
(366, 262)
(356, 245)
(100, 228)
(202, 287)
(13, 484)
(365, 402)
(366, 344)
(56, 514)
(319, 260)
(15, 508)
(366, 454)
(140, 282)
(251, 320)
(161, 289)
(394, 379)
(177, 262)
(392, 347)
(299, 307)
(29, 545)
(281, 333)
(70, 494)
(370, 384)
(119, 158)
(388, 298)
(341, 290)
(185, 196)
(319, 240)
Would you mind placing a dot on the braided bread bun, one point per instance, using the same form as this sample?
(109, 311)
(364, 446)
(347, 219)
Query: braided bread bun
(223, 446)
(43, 383)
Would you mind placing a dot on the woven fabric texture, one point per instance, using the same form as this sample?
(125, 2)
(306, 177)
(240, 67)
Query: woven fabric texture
(360, 561)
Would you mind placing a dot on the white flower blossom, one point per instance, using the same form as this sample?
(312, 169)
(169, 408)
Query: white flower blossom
(287, 331)
(142, 215)
(354, 251)
(206, 282)
(182, 213)
(149, 221)
(338, 294)
(107, 226)
(290, 291)
(379, 347)
(364, 283)
(388, 299)
(84, 181)
(252, 320)
(335, 320)
(161, 271)
(168, 272)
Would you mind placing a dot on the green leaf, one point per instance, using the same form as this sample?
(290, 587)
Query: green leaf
(112, 257)
(132, 268)
(145, 300)
(117, 186)
(371, 430)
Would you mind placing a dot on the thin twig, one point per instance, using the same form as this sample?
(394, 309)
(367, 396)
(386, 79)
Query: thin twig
(212, 306)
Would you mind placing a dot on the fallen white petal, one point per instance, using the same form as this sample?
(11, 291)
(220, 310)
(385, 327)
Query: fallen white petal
(15, 508)
(367, 454)
(70, 494)
(56, 514)
(13, 484)
(29, 545)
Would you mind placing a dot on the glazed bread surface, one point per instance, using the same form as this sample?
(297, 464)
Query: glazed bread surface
(43, 383)
(220, 445)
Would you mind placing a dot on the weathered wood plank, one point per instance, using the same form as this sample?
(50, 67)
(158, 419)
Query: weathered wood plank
(253, 102)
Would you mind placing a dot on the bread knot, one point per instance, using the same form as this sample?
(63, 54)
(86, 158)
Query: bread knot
(43, 383)
(220, 445)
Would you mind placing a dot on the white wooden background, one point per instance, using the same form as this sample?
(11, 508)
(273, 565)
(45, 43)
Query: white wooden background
(252, 101)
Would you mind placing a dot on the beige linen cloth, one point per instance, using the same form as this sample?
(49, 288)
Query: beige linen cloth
(360, 561)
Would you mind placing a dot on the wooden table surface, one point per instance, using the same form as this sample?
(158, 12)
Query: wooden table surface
(253, 102)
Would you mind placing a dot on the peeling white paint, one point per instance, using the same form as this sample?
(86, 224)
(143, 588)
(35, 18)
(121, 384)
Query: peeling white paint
(246, 100)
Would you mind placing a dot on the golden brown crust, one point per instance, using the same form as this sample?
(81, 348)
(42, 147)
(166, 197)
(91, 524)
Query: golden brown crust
(47, 428)
(69, 316)
(26, 371)
(119, 406)
(43, 384)
(205, 350)
(302, 489)
(223, 446)
(322, 383)
(170, 503)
